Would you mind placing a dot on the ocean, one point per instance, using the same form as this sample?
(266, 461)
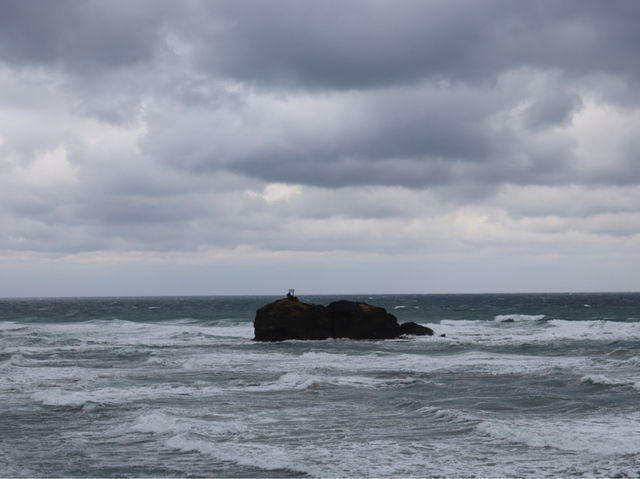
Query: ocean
(522, 385)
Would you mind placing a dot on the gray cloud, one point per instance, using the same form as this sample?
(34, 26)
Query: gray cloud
(420, 136)
(552, 110)
(86, 37)
(434, 129)
(423, 81)
(329, 45)
(372, 44)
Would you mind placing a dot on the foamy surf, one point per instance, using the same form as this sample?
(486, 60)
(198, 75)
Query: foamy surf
(176, 387)
(532, 331)
(604, 435)
(505, 318)
(602, 380)
(124, 395)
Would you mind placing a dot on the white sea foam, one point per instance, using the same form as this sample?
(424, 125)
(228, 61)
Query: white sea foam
(592, 330)
(16, 358)
(518, 317)
(609, 381)
(522, 332)
(262, 456)
(29, 379)
(263, 360)
(302, 380)
(156, 422)
(473, 361)
(198, 388)
(95, 333)
(369, 382)
(288, 381)
(12, 326)
(64, 398)
(547, 444)
(237, 331)
(446, 415)
(112, 395)
(604, 435)
(633, 361)
(348, 458)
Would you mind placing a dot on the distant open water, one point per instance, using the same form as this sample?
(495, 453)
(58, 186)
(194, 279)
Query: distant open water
(522, 385)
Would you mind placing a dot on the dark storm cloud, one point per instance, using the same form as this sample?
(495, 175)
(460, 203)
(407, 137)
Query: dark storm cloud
(84, 36)
(393, 137)
(418, 136)
(340, 45)
(332, 44)
(150, 104)
(428, 75)
(444, 61)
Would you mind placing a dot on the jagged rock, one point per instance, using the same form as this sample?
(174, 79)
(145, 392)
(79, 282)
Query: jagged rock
(289, 318)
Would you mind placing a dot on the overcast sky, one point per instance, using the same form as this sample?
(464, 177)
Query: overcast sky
(201, 147)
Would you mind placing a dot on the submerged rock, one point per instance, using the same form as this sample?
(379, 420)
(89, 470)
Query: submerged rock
(289, 318)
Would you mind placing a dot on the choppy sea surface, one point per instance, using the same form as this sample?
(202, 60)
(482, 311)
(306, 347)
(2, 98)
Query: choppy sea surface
(523, 385)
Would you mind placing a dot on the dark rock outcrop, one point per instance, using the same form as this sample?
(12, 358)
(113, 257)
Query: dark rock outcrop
(289, 318)
(415, 329)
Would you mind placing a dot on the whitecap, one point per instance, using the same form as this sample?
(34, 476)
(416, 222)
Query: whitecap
(369, 382)
(235, 331)
(475, 361)
(110, 395)
(262, 456)
(157, 422)
(602, 435)
(13, 360)
(130, 333)
(346, 458)
(288, 381)
(606, 380)
(301, 380)
(528, 331)
(633, 361)
(265, 360)
(592, 330)
(518, 317)
(62, 398)
(31, 378)
(12, 326)
(446, 415)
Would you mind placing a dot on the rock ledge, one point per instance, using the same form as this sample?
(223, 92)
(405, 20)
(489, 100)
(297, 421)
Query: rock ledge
(290, 318)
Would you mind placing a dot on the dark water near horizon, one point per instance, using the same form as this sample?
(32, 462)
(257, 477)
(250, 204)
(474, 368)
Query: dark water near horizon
(523, 385)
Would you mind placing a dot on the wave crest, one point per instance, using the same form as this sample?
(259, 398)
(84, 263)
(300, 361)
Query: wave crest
(601, 379)
(513, 318)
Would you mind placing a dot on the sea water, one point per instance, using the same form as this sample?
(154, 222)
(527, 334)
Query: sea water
(521, 385)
